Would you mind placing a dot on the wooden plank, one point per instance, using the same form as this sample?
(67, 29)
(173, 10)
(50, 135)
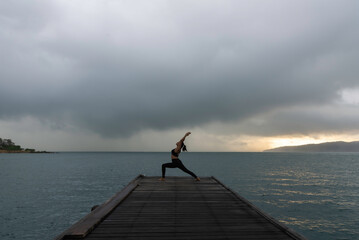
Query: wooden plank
(90, 221)
(281, 226)
(181, 208)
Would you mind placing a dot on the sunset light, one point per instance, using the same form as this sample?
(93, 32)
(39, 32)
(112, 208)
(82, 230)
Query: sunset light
(296, 141)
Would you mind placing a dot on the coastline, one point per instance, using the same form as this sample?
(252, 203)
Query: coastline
(22, 151)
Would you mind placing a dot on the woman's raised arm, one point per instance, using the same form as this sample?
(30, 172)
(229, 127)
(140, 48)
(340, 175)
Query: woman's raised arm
(179, 144)
(186, 135)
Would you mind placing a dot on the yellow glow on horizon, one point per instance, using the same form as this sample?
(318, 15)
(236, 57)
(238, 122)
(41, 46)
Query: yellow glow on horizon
(279, 142)
(258, 144)
(296, 141)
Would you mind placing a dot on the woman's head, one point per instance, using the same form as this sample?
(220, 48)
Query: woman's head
(182, 146)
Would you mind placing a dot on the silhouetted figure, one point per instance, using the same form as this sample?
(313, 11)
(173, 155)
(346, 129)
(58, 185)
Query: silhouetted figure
(176, 163)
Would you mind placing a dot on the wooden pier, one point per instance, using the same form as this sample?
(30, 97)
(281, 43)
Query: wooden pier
(179, 208)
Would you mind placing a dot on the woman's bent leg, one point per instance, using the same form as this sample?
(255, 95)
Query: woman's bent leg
(167, 165)
(183, 168)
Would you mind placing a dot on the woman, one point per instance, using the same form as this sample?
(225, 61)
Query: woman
(176, 163)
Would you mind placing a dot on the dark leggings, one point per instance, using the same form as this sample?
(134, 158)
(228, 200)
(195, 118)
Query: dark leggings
(176, 163)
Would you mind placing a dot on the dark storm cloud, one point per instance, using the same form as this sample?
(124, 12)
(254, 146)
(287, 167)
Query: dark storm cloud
(328, 120)
(117, 67)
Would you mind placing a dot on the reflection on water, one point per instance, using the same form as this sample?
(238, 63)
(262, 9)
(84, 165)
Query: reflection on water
(317, 194)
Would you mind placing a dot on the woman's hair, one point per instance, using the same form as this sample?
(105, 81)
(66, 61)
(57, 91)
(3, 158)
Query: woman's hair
(184, 148)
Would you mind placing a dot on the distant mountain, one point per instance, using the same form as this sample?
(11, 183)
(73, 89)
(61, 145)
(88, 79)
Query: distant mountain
(322, 147)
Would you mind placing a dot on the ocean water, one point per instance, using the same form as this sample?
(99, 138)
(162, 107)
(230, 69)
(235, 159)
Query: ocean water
(316, 194)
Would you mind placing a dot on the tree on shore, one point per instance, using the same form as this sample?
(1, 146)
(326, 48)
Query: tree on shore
(8, 144)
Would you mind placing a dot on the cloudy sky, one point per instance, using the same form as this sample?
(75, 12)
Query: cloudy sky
(112, 75)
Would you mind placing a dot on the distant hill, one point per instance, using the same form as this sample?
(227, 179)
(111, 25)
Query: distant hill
(321, 147)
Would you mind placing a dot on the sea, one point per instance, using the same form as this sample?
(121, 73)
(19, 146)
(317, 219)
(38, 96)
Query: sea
(315, 194)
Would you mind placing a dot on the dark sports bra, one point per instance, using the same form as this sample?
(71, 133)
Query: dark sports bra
(174, 153)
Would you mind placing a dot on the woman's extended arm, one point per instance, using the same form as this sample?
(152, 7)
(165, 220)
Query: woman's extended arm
(186, 135)
(179, 144)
